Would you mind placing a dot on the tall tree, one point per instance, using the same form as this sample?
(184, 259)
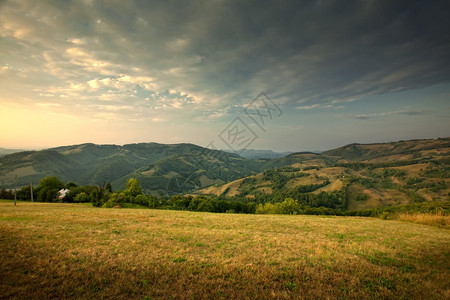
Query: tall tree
(133, 187)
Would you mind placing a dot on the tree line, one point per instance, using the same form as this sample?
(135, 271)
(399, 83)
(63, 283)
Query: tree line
(50, 189)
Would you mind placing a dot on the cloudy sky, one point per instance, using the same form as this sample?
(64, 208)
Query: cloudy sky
(116, 72)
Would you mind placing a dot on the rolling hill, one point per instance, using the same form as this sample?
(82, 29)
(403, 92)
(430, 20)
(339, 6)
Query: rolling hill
(158, 166)
(366, 176)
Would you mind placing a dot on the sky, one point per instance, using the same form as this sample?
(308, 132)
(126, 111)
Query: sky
(279, 75)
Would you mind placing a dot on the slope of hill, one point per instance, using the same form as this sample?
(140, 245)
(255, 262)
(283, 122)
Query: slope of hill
(181, 173)
(366, 176)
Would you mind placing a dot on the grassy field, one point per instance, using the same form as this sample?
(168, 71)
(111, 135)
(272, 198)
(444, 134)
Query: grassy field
(76, 251)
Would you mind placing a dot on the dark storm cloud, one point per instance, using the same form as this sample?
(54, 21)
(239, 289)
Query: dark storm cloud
(315, 51)
(225, 51)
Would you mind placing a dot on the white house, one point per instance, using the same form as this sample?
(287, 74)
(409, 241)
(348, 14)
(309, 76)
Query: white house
(62, 193)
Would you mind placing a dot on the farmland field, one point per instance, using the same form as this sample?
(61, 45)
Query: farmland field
(77, 251)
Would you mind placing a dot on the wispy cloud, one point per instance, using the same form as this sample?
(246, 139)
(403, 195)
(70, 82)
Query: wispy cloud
(308, 107)
(397, 112)
(319, 106)
(363, 117)
(412, 112)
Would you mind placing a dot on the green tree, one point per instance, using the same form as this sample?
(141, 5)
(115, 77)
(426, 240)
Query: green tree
(133, 187)
(24, 193)
(289, 206)
(70, 185)
(48, 188)
(82, 197)
(50, 182)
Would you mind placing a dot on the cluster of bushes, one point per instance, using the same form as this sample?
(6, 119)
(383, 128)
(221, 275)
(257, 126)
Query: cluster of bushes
(210, 204)
(131, 195)
(292, 207)
(334, 199)
(440, 171)
(393, 172)
(289, 169)
(413, 181)
(311, 168)
(417, 183)
(6, 194)
(365, 182)
(390, 212)
(362, 165)
(415, 197)
(278, 179)
(308, 188)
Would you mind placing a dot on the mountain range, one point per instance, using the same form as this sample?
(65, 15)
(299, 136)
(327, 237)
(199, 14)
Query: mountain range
(168, 169)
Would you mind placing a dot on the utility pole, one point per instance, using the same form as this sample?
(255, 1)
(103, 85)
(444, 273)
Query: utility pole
(15, 190)
(31, 191)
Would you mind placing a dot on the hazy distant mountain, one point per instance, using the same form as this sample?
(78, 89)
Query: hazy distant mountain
(4, 151)
(258, 154)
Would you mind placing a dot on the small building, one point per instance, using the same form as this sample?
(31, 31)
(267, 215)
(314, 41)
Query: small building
(62, 193)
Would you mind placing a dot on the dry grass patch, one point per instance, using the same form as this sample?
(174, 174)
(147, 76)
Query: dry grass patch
(437, 219)
(76, 251)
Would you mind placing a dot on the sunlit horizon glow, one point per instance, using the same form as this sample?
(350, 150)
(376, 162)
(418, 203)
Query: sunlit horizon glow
(147, 71)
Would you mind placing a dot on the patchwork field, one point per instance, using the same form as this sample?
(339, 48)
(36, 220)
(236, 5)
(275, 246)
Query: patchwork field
(76, 251)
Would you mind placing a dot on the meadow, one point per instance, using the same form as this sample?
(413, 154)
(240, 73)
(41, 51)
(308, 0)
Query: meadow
(50, 250)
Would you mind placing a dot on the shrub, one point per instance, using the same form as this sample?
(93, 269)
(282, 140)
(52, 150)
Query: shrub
(82, 197)
(141, 200)
(267, 208)
(116, 199)
(288, 207)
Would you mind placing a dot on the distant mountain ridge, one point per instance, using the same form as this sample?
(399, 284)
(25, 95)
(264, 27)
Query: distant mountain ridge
(259, 154)
(389, 151)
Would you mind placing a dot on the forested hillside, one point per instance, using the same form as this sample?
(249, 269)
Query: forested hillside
(156, 165)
